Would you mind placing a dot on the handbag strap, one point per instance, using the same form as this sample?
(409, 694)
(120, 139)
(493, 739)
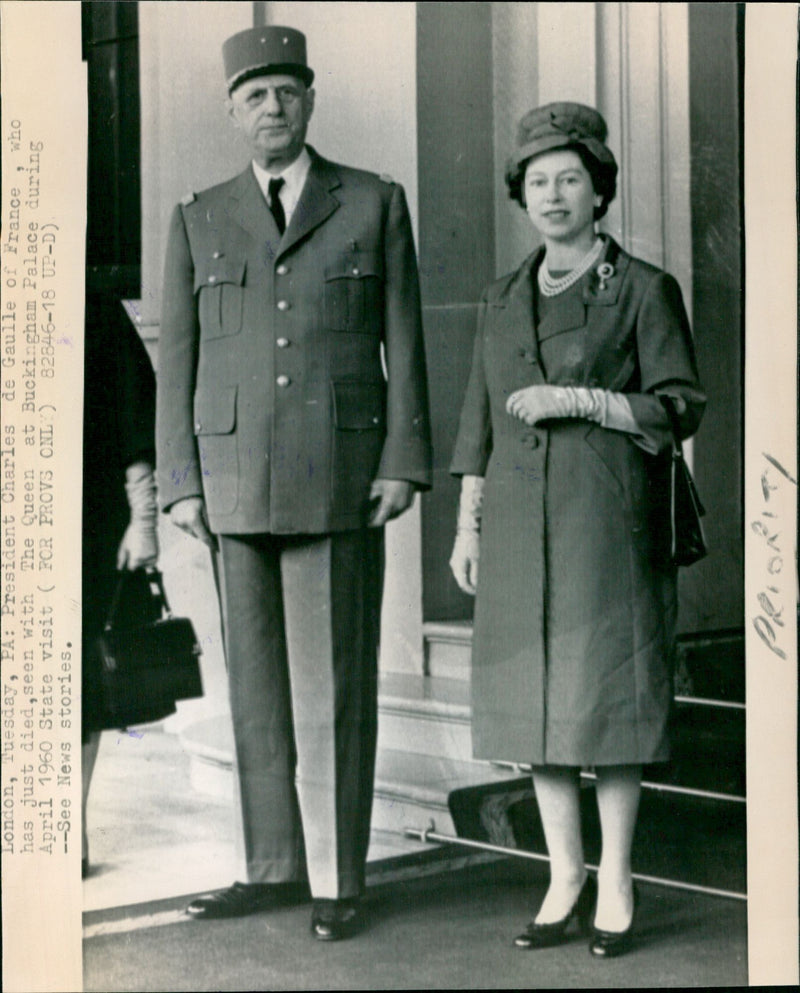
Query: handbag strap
(156, 581)
(669, 406)
(679, 463)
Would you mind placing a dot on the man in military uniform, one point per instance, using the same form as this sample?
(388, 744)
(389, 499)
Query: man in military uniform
(284, 445)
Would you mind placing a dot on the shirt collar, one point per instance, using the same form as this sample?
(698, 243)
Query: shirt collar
(294, 176)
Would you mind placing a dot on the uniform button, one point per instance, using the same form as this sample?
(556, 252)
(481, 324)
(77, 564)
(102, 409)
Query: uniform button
(283, 305)
(376, 420)
(283, 380)
(198, 426)
(356, 271)
(282, 342)
(282, 269)
(212, 279)
(217, 255)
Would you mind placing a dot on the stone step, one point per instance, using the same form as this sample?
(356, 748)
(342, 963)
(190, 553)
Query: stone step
(412, 790)
(427, 715)
(389, 845)
(711, 665)
(448, 648)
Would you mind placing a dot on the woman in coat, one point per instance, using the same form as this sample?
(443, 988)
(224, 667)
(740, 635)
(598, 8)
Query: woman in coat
(563, 449)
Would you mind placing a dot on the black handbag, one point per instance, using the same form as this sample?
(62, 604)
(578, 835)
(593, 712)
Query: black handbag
(150, 659)
(687, 541)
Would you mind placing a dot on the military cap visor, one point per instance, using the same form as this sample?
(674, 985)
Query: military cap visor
(262, 51)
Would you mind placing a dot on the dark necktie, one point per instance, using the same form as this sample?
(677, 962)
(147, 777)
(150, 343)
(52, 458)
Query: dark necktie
(275, 204)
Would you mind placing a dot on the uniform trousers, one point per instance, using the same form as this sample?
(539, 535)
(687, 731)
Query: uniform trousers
(301, 616)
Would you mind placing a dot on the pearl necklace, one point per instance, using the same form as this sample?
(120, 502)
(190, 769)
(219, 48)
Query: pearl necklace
(551, 287)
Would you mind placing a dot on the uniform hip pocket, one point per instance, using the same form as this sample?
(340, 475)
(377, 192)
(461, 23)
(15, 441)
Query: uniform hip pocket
(359, 429)
(217, 445)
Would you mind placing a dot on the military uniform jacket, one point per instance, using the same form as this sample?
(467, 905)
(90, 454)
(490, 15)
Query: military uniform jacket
(575, 610)
(273, 402)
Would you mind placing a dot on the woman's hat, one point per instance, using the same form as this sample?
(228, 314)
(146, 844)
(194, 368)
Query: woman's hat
(556, 125)
(259, 51)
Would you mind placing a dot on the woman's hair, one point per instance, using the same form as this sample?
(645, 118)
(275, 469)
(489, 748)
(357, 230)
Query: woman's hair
(603, 176)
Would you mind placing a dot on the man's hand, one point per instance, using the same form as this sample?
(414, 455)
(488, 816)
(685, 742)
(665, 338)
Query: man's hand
(393, 496)
(189, 515)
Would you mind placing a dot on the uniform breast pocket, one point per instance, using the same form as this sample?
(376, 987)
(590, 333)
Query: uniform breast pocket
(354, 293)
(219, 285)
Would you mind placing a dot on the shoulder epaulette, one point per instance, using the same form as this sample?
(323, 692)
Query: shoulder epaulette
(189, 198)
(386, 178)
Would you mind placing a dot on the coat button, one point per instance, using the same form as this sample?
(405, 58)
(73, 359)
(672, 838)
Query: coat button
(198, 426)
(217, 255)
(282, 342)
(356, 271)
(283, 380)
(282, 269)
(283, 305)
(212, 279)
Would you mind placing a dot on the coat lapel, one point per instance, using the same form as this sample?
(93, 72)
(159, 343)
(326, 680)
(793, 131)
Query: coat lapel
(316, 203)
(248, 208)
(601, 285)
(517, 319)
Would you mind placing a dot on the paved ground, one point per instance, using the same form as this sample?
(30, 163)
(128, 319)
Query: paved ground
(448, 931)
(154, 839)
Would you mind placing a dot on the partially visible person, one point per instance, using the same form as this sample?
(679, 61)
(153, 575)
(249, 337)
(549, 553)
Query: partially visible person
(564, 451)
(119, 496)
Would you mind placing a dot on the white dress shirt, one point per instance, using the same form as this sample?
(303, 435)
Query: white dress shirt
(294, 177)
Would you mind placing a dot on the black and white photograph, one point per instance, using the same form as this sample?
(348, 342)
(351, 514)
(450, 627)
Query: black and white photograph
(399, 495)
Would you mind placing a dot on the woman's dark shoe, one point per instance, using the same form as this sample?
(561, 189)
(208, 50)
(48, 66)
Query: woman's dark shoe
(547, 935)
(612, 944)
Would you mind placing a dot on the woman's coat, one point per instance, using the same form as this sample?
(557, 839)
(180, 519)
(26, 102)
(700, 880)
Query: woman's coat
(576, 603)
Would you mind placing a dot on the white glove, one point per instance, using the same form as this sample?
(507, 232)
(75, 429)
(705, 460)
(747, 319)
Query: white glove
(139, 545)
(538, 403)
(466, 549)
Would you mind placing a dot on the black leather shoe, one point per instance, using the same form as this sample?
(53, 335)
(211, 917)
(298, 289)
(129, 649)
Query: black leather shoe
(247, 898)
(332, 920)
(547, 935)
(612, 944)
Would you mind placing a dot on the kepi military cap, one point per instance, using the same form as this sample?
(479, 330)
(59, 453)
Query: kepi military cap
(257, 51)
(556, 125)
